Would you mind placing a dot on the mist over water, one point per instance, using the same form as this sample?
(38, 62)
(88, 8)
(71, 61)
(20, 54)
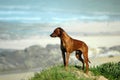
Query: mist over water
(38, 34)
(33, 21)
(57, 11)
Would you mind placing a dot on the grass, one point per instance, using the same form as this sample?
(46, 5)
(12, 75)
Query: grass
(109, 70)
(58, 73)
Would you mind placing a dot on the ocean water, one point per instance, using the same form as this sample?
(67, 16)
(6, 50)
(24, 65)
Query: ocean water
(48, 11)
(15, 31)
(22, 35)
(25, 23)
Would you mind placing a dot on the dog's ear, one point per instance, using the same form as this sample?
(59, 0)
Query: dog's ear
(60, 31)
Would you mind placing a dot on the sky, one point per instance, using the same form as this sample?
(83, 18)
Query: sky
(59, 10)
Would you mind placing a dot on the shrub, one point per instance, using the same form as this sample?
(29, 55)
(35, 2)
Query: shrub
(109, 70)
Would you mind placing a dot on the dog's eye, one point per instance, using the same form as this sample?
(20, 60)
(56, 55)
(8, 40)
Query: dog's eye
(55, 32)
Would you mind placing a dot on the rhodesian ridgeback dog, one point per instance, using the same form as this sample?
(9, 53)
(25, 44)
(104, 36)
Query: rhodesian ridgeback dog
(68, 45)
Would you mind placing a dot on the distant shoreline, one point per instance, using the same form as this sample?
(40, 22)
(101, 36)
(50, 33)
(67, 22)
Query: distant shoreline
(96, 61)
(92, 41)
(28, 74)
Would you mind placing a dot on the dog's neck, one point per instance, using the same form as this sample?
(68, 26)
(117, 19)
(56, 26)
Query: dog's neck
(64, 37)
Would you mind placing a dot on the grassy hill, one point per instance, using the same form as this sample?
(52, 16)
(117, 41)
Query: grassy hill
(110, 70)
(37, 58)
(59, 73)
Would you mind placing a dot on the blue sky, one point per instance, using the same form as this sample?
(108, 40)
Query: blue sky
(58, 10)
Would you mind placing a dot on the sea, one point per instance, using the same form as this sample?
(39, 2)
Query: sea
(23, 35)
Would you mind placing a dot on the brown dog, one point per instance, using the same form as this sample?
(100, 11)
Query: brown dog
(69, 45)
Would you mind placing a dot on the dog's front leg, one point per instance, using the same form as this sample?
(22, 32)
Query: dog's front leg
(67, 59)
(63, 56)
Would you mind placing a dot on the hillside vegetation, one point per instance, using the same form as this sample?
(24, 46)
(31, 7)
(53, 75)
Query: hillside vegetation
(110, 70)
(59, 73)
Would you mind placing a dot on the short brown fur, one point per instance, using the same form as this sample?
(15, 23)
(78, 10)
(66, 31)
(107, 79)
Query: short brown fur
(69, 45)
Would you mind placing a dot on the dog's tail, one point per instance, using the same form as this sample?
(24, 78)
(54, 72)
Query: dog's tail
(89, 61)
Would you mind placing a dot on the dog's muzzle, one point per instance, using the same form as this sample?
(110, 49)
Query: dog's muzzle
(53, 35)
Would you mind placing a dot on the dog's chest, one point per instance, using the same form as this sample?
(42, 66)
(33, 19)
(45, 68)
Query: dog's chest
(66, 46)
(63, 45)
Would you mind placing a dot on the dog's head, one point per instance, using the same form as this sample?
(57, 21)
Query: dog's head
(57, 32)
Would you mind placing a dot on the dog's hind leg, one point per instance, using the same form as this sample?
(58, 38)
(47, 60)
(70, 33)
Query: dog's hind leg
(86, 60)
(79, 57)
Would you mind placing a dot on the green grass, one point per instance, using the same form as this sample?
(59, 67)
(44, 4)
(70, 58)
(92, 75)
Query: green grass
(58, 73)
(109, 70)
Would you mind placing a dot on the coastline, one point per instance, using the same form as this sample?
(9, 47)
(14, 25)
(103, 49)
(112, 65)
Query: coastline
(92, 41)
(29, 74)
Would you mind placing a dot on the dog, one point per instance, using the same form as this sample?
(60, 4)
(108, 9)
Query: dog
(68, 45)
